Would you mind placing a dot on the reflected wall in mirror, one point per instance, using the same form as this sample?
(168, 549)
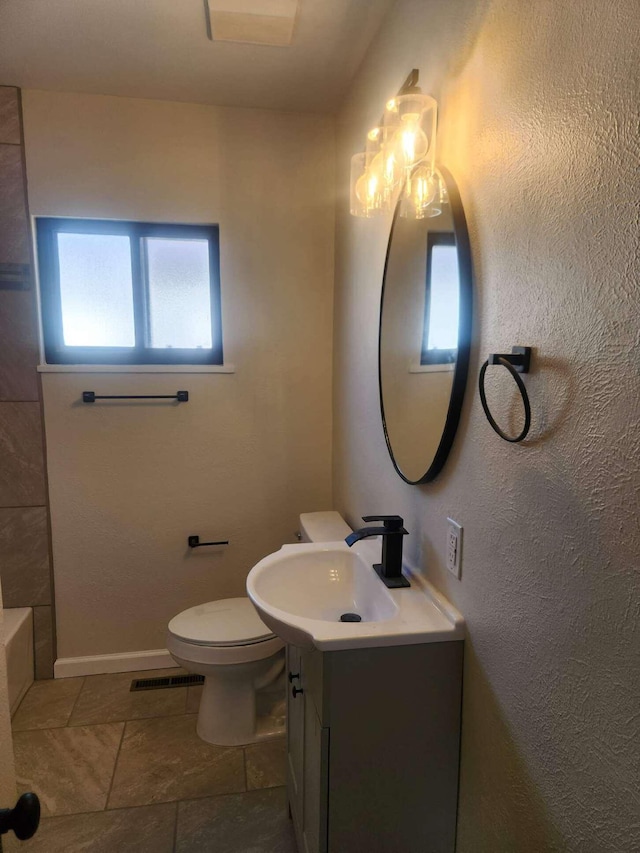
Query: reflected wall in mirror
(425, 329)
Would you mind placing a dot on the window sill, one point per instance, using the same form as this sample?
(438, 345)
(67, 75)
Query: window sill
(449, 367)
(136, 368)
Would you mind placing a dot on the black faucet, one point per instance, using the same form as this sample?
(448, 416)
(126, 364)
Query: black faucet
(390, 569)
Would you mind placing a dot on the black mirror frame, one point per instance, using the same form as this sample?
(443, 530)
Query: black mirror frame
(464, 335)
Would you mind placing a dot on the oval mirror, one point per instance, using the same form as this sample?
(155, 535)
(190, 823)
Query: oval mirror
(425, 331)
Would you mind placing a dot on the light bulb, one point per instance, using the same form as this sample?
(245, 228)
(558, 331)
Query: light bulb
(413, 142)
(372, 189)
(423, 188)
(367, 189)
(386, 167)
(413, 116)
(420, 193)
(367, 195)
(391, 171)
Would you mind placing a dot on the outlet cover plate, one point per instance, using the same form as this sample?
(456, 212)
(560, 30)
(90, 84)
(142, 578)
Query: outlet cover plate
(454, 547)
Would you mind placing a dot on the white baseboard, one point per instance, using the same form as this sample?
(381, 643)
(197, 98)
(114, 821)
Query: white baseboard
(123, 662)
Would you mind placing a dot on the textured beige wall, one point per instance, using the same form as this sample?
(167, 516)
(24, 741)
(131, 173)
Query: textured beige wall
(539, 107)
(250, 450)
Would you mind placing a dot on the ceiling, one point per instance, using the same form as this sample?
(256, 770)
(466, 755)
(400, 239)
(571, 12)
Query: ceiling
(159, 49)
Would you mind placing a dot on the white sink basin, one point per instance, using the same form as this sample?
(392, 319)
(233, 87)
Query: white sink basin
(302, 591)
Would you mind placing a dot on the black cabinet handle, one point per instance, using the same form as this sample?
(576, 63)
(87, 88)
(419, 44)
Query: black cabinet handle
(296, 690)
(23, 818)
(293, 675)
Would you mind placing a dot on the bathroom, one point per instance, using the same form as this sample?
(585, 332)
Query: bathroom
(133, 114)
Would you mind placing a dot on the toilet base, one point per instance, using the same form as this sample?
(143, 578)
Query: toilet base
(233, 712)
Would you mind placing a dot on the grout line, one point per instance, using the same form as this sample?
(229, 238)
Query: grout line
(110, 723)
(175, 828)
(28, 506)
(244, 762)
(193, 799)
(228, 794)
(115, 765)
(209, 797)
(73, 707)
(136, 720)
(37, 729)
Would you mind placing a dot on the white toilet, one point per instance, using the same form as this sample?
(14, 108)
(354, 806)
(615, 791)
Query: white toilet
(238, 655)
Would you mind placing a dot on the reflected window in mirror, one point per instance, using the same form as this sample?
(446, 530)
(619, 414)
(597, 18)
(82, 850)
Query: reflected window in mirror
(441, 307)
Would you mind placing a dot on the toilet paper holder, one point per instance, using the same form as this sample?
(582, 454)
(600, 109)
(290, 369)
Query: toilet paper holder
(194, 542)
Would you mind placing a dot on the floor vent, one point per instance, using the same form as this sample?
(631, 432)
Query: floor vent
(164, 681)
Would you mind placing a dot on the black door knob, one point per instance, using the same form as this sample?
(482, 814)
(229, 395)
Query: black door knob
(296, 690)
(23, 818)
(293, 675)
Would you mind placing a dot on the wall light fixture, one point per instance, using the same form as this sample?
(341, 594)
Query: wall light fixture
(399, 159)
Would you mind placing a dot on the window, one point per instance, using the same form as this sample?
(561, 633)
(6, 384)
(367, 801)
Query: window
(440, 336)
(129, 292)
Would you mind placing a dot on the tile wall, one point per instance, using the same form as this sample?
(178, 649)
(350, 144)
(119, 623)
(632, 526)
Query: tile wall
(25, 561)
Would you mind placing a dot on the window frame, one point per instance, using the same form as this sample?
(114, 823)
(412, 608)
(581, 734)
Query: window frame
(55, 349)
(433, 355)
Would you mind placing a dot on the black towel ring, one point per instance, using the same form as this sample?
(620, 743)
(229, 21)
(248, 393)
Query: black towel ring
(518, 359)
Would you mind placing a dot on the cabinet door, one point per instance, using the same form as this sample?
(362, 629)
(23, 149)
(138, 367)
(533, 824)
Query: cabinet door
(316, 780)
(295, 737)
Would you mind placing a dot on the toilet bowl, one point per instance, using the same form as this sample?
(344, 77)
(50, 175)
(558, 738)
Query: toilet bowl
(228, 643)
(241, 660)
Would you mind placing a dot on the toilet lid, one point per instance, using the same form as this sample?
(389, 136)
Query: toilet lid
(227, 622)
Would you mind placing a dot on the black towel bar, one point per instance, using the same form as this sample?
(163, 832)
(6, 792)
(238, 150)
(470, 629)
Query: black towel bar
(91, 396)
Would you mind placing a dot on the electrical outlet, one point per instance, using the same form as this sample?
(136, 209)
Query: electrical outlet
(454, 547)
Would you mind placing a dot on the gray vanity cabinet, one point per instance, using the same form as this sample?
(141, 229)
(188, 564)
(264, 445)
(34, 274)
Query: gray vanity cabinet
(373, 748)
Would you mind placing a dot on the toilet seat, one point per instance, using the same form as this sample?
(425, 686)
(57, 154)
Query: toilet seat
(227, 622)
(228, 631)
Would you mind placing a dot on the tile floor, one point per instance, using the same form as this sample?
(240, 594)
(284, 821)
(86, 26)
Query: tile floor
(120, 771)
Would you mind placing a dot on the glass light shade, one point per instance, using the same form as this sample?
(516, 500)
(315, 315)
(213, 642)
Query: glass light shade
(376, 175)
(391, 118)
(413, 117)
(382, 157)
(430, 211)
(374, 143)
(421, 198)
(444, 193)
(366, 196)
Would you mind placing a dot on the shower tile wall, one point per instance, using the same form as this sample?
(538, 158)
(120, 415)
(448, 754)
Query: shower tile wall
(25, 562)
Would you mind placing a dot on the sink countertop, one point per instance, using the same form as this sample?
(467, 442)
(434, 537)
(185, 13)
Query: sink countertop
(418, 614)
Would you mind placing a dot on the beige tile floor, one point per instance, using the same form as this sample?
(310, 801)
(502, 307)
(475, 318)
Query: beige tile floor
(120, 771)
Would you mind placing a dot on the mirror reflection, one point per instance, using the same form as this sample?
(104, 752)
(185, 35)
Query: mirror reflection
(422, 334)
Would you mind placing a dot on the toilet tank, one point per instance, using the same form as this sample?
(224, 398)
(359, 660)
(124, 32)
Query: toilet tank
(323, 527)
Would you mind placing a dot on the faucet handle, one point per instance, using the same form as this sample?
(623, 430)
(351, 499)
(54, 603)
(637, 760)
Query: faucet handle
(390, 522)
